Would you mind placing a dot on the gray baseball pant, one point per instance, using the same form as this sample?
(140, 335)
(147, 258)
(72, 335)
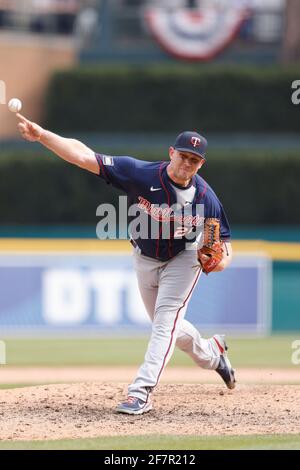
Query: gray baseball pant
(166, 288)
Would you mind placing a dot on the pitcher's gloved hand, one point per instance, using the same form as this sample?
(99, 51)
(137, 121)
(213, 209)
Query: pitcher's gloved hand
(210, 256)
(211, 253)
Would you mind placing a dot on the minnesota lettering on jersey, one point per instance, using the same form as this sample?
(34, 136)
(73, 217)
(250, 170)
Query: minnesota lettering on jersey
(166, 214)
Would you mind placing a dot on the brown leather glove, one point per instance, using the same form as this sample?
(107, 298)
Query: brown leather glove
(211, 253)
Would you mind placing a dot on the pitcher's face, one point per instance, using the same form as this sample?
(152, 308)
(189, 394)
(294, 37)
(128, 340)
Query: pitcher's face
(183, 165)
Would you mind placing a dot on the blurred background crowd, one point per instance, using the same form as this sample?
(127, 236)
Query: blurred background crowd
(47, 16)
(121, 24)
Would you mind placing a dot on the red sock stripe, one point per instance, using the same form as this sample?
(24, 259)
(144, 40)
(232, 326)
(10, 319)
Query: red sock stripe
(219, 346)
(174, 326)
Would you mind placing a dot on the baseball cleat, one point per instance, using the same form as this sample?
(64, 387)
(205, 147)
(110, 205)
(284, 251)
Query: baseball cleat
(224, 368)
(134, 406)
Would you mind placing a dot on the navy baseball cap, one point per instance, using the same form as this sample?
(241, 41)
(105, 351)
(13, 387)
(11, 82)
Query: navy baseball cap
(192, 142)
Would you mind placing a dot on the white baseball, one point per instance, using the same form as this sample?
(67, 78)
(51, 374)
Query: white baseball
(15, 105)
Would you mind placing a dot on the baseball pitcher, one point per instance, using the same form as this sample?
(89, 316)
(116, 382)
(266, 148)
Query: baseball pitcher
(168, 261)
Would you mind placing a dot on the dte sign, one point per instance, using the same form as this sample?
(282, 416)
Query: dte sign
(86, 296)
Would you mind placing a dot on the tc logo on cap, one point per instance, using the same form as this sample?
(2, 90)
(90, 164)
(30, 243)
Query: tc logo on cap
(195, 141)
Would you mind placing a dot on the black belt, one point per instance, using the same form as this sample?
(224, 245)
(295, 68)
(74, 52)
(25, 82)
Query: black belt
(136, 246)
(133, 243)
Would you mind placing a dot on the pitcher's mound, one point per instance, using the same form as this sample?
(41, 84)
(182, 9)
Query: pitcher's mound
(80, 410)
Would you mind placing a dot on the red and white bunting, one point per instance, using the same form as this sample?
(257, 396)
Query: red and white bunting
(195, 34)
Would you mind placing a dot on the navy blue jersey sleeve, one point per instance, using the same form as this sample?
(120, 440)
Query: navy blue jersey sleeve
(213, 208)
(118, 171)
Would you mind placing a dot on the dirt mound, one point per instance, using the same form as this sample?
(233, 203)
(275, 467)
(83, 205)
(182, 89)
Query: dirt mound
(87, 410)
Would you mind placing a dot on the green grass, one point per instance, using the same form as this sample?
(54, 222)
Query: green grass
(163, 442)
(20, 385)
(274, 351)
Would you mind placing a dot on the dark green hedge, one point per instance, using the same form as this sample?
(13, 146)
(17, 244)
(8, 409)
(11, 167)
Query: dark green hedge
(255, 188)
(40, 188)
(160, 98)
